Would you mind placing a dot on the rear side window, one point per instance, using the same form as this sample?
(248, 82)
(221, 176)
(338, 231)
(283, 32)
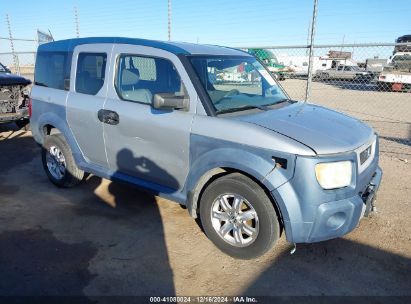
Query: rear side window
(139, 78)
(53, 70)
(91, 69)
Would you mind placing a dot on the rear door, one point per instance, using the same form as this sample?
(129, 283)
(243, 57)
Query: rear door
(143, 142)
(88, 90)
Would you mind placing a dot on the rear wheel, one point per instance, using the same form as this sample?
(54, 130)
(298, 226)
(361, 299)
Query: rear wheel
(238, 217)
(58, 162)
(325, 77)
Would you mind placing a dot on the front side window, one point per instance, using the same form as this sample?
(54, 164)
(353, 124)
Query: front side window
(237, 83)
(139, 78)
(91, 69)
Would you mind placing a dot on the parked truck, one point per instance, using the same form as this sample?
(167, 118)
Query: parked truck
(405, 44)
(396, 76)
(279, 71)
(14, 98)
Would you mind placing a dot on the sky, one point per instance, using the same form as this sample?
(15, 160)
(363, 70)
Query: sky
(223, 22)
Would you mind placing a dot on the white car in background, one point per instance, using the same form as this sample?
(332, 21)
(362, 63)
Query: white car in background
(344, 72)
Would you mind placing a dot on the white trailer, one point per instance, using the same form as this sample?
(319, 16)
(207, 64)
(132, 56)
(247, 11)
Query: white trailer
(299, 64)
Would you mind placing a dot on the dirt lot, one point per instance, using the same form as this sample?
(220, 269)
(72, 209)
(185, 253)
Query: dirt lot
(105, 238)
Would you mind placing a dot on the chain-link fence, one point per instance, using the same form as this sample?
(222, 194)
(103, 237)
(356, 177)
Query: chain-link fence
(370, 81)
(18, 54)
(21, 63)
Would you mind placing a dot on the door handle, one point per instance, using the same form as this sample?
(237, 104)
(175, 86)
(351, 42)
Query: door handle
(108, 117)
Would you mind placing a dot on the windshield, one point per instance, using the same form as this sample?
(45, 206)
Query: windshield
(405, 57)
(237, 83)
(2, 68)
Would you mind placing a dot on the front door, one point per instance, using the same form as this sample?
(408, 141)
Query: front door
(142, 142)
(90, 65)
(349, 72)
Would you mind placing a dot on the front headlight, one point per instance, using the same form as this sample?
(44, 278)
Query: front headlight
(334, 175)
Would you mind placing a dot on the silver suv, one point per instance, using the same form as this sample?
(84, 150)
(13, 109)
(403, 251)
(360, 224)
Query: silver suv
(209, 128)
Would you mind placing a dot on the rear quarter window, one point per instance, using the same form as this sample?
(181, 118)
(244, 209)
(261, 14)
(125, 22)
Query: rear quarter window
(53, 70)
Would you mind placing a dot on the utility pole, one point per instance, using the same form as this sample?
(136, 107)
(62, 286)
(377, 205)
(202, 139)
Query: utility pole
(169, 20)
(310, 60)
(77, 22)
(308, 36)
(342, 44)
(13, 51)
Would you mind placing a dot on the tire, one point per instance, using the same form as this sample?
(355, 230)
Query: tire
(266, 222)
(383, 86)
(23, 124)
(325, 77)
(71, 175)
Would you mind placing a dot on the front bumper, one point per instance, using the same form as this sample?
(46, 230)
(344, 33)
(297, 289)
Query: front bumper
(310, 217)
(335, 219)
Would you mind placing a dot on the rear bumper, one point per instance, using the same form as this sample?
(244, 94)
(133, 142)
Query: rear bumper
(22, 113)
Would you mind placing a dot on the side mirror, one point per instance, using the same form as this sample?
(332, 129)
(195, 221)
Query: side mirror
(271, 91)
(170, 101)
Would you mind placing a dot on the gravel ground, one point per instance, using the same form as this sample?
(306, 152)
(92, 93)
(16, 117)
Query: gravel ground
(105, 238)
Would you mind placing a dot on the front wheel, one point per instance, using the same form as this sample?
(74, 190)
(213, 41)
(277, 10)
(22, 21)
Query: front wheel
(238, 217)
(325, 77)
(58, 162)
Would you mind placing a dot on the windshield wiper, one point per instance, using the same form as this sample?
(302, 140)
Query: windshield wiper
(277, 102)
(249, 107)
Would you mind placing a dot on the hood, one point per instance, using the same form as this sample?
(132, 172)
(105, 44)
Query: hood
(12, 79)
(323, 130)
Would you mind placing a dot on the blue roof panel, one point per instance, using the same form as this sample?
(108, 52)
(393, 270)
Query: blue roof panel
(173, 47)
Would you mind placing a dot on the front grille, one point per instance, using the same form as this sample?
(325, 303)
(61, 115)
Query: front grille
(364, 155)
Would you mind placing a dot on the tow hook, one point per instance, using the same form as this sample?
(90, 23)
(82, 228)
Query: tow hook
(370, 200)
(294, 249)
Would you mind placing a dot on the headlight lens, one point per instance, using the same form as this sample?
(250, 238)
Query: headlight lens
(334, 175)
